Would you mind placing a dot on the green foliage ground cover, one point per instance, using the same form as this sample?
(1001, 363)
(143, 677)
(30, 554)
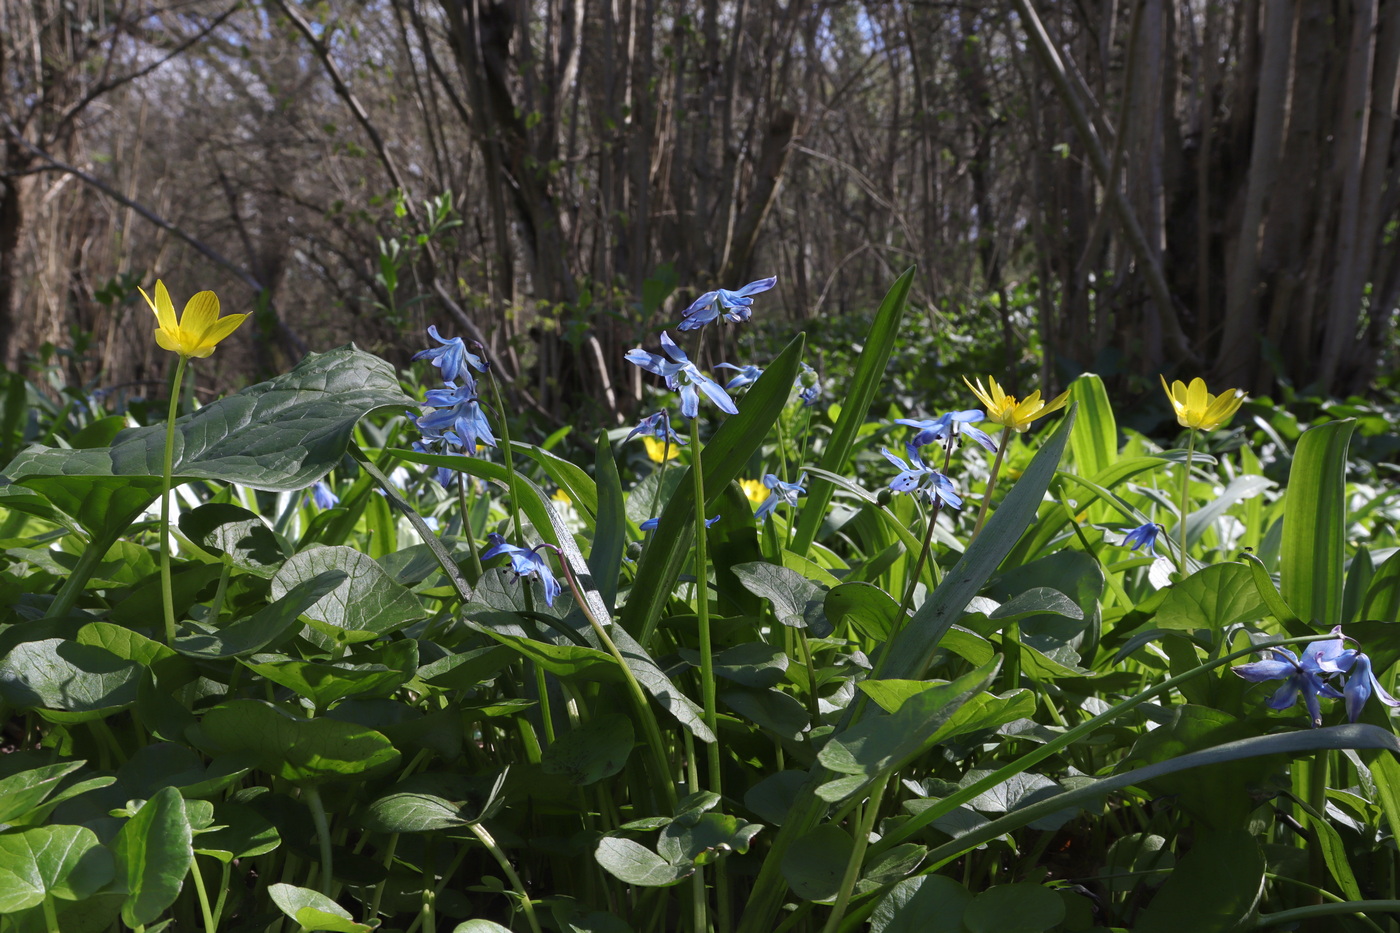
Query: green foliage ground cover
(364, 720)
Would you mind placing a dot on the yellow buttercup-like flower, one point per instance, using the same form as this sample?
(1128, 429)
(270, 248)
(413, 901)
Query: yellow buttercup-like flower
(199, 328)
(1197, 408)
(754, 489)
(1006, 411)
(657, 450)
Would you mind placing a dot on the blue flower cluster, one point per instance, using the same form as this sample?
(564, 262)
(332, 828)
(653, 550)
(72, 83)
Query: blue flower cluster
(525, 562)
(779, 492)
(452, 420)
(1308, 677)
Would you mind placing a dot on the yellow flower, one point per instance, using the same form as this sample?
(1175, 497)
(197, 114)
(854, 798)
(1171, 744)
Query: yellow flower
(754, 489)
(562, 497)
(1006, 411)
(1197, 408)
(199, 328)
(656, 450)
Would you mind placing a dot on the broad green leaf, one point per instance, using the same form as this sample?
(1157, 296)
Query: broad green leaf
(703, 840)
(56, 674)
(634, 863)
(367, 601)
(241, 832)
(861, 389)
(296, 749)
(66, 862)
(926, 904)
(224, 529)
(815, 865)
(267, 625)
(878, 742)
(1014, 908)
(733, 541)
(725, 456)
(326, 684)
(1213, 889)
(1383, 595)
(133, 646)
(1334, 850)
(22, 792)
(594, 750)
(281, 434)
(572, 478)
(797, 601)
(774, 711)
(1094, 440)
(480, 926)
(865, 607)
(154, 852)
(1214, 597)
(313, 910)
(753, 664)
(1314, 524)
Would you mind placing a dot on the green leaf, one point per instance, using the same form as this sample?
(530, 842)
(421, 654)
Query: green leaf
(1383, 595)
(314, 911)
(1314, 524)
(57, 674)
(797, 601)
(701, 841)
(595, 750)
(926, 904)
(20, 793)
(1213, 889)
(865, 607)
(365, 604)
(1014, 908)
(816, 863)
(222, 528)
(241, 832)
(154, 852)
(1094, 440)
(610, 533)
(861, 389)
(1214, 597)
(298, 750)
(480, 926)
(570, 477)
(263, 627)
(282, 434)
(634, 863)
(326, 684)
(65, 862)
(725, 456)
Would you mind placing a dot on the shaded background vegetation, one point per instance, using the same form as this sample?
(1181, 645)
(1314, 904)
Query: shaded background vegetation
(1130, 186)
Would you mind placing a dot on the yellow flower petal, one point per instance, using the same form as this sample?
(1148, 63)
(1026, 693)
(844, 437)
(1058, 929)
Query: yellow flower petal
(167, 342)
(199, 316)
(222, 328)
(161, 307)
(199, 328)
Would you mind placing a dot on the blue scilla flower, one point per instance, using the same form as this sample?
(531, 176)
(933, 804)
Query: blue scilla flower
(525, 562)
(322, 495)
(919, 478)
(780, 492)
(950, 424)
(457, 408)
(748, 375)
(657, 426)
(1301, 677)
(1144, 536)
(811, 386)
(452, 358)
(733, 305)
(682, 376)
(1334, 657)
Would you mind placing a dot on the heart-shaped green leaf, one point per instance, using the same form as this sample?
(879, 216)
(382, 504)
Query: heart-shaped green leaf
(66, 862)
(299, 750)
(154, 853)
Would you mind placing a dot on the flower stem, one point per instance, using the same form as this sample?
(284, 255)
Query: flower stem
(323, 834)
(1181, 509)
(991, 484)
(702, 610)
(490, 843)
(167, 595)
(465, 507)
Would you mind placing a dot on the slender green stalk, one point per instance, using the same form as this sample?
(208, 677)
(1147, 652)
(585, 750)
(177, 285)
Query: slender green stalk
(50, 914)
(639, 697)
(1181, 509)
(464, 506)
(210, 923)
(864, 826)
(323, 834)
(702, 611)
(1341, 908)
(167, 462)
(389, 848)
(991, 484)
(480, 832)
(508, 456)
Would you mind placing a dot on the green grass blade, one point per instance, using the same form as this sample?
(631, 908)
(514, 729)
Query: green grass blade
(870, 372)
(610, 532)
(1314, 524)
(1094, 442)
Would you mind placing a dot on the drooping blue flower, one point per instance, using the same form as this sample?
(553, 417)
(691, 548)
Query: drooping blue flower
(452, 358)
(322, 495)
(657, 426)
(1300, 678)
(748, 375)
(525, 562)
(1361, 685)
(457, 408)
(918, 477)
(780, 492)
(1144, 535)
(733, 305)
(682, 376)
(952, 423)
(811, 386)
